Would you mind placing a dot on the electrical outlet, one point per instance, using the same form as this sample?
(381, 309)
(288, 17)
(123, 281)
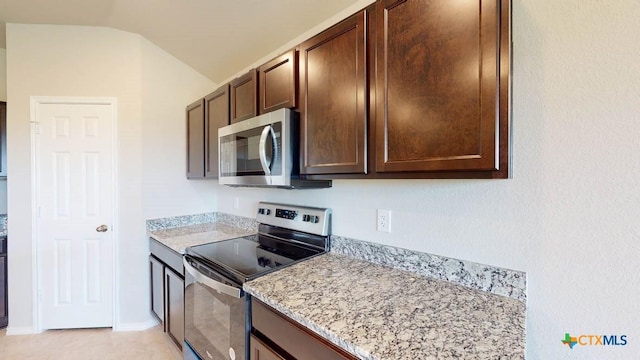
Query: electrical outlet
(236, 202)
(384, 220)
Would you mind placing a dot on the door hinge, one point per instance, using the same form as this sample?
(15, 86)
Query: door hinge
(36, 127)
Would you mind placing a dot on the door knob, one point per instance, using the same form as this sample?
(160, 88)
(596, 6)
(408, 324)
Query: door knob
(102, 228)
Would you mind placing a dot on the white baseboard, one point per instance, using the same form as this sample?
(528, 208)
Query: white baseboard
(20, 331)
(136, 326)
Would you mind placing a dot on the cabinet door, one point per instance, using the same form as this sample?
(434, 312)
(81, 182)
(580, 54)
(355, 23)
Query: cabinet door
(174, 302)
(216, 109)
(4, 306)
(260, 351)
(436, 85)
(3, 139)
(157, 288)
(292, 339)
(195, 140)
(278, 83)
(244, 97)
(333, 99)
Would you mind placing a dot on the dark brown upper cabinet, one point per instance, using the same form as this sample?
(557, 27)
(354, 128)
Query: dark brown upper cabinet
(195, 140)
(442, 86)
(244, 97)
(333, 99)
(216, 114)
(278, 80)
(3, 139)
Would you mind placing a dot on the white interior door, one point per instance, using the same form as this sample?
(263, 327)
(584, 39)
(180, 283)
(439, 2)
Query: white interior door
(75, 186)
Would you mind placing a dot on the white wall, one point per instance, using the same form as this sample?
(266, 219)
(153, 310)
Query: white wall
(569, 216)
(90, 61)
(168, 85)
(3, 97)
(3, 75)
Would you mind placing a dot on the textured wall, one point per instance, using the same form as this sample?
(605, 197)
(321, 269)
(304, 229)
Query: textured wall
(67, 61)
(3, 75)
(569, 216)
(152, 89)
(3, 97)
(168, 85)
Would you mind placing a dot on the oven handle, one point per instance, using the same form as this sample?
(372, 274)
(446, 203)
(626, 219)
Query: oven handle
(207, 281)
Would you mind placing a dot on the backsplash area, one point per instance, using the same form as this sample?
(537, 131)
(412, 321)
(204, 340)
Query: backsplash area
(197, 219)
(487, 278)
(499, 281)
(3, 225)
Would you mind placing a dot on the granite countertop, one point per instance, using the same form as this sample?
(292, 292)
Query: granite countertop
(3, 225)
(377, 312)
(179, 238)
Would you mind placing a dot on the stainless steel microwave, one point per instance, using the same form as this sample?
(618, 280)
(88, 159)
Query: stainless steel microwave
(263, 152)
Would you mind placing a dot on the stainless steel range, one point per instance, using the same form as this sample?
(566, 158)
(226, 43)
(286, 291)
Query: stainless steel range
(217, 311)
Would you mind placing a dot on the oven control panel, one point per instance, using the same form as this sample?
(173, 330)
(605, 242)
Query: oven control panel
(286, 214)
(301, 218)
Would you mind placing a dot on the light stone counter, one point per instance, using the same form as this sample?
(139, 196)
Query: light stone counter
(178, 239)
(180, 232)
(3, 225)
(377, 312)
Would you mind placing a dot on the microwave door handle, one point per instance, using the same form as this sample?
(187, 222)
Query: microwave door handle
(262, 152)
(204, 280)
(274, 146)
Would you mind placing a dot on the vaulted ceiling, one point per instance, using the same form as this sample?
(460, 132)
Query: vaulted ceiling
(216, 37)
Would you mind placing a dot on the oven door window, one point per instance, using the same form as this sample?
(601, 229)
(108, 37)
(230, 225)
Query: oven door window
(214, 322)
(253, 152)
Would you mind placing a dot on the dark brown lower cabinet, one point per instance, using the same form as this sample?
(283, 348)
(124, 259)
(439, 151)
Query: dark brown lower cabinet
(261, 351)
(157, 288)
(174, 300)
(275, 336)
(167, 289)
(4, 308)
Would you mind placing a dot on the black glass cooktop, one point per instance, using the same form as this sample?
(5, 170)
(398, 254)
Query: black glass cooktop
(245, 258)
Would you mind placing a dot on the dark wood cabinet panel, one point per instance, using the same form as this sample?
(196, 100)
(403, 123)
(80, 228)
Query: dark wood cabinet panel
(333, 99)
(436, 85)
(290, 339)
(174, 300)
(216, 107)
(278, 83)
(260, 351)
(244, 97)
(195, 140)
(3, 139)
(156, 269)
(4, 301)
(167, 289)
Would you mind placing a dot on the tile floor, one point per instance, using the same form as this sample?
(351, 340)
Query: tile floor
(89, 344)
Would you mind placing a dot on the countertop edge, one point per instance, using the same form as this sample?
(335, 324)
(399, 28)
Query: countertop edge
(309, 325)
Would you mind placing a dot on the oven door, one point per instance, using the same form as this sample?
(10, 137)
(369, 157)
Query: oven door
(215, 311)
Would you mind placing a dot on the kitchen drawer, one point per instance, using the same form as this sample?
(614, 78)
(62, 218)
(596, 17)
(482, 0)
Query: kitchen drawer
(167, 256)
(293, 338)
